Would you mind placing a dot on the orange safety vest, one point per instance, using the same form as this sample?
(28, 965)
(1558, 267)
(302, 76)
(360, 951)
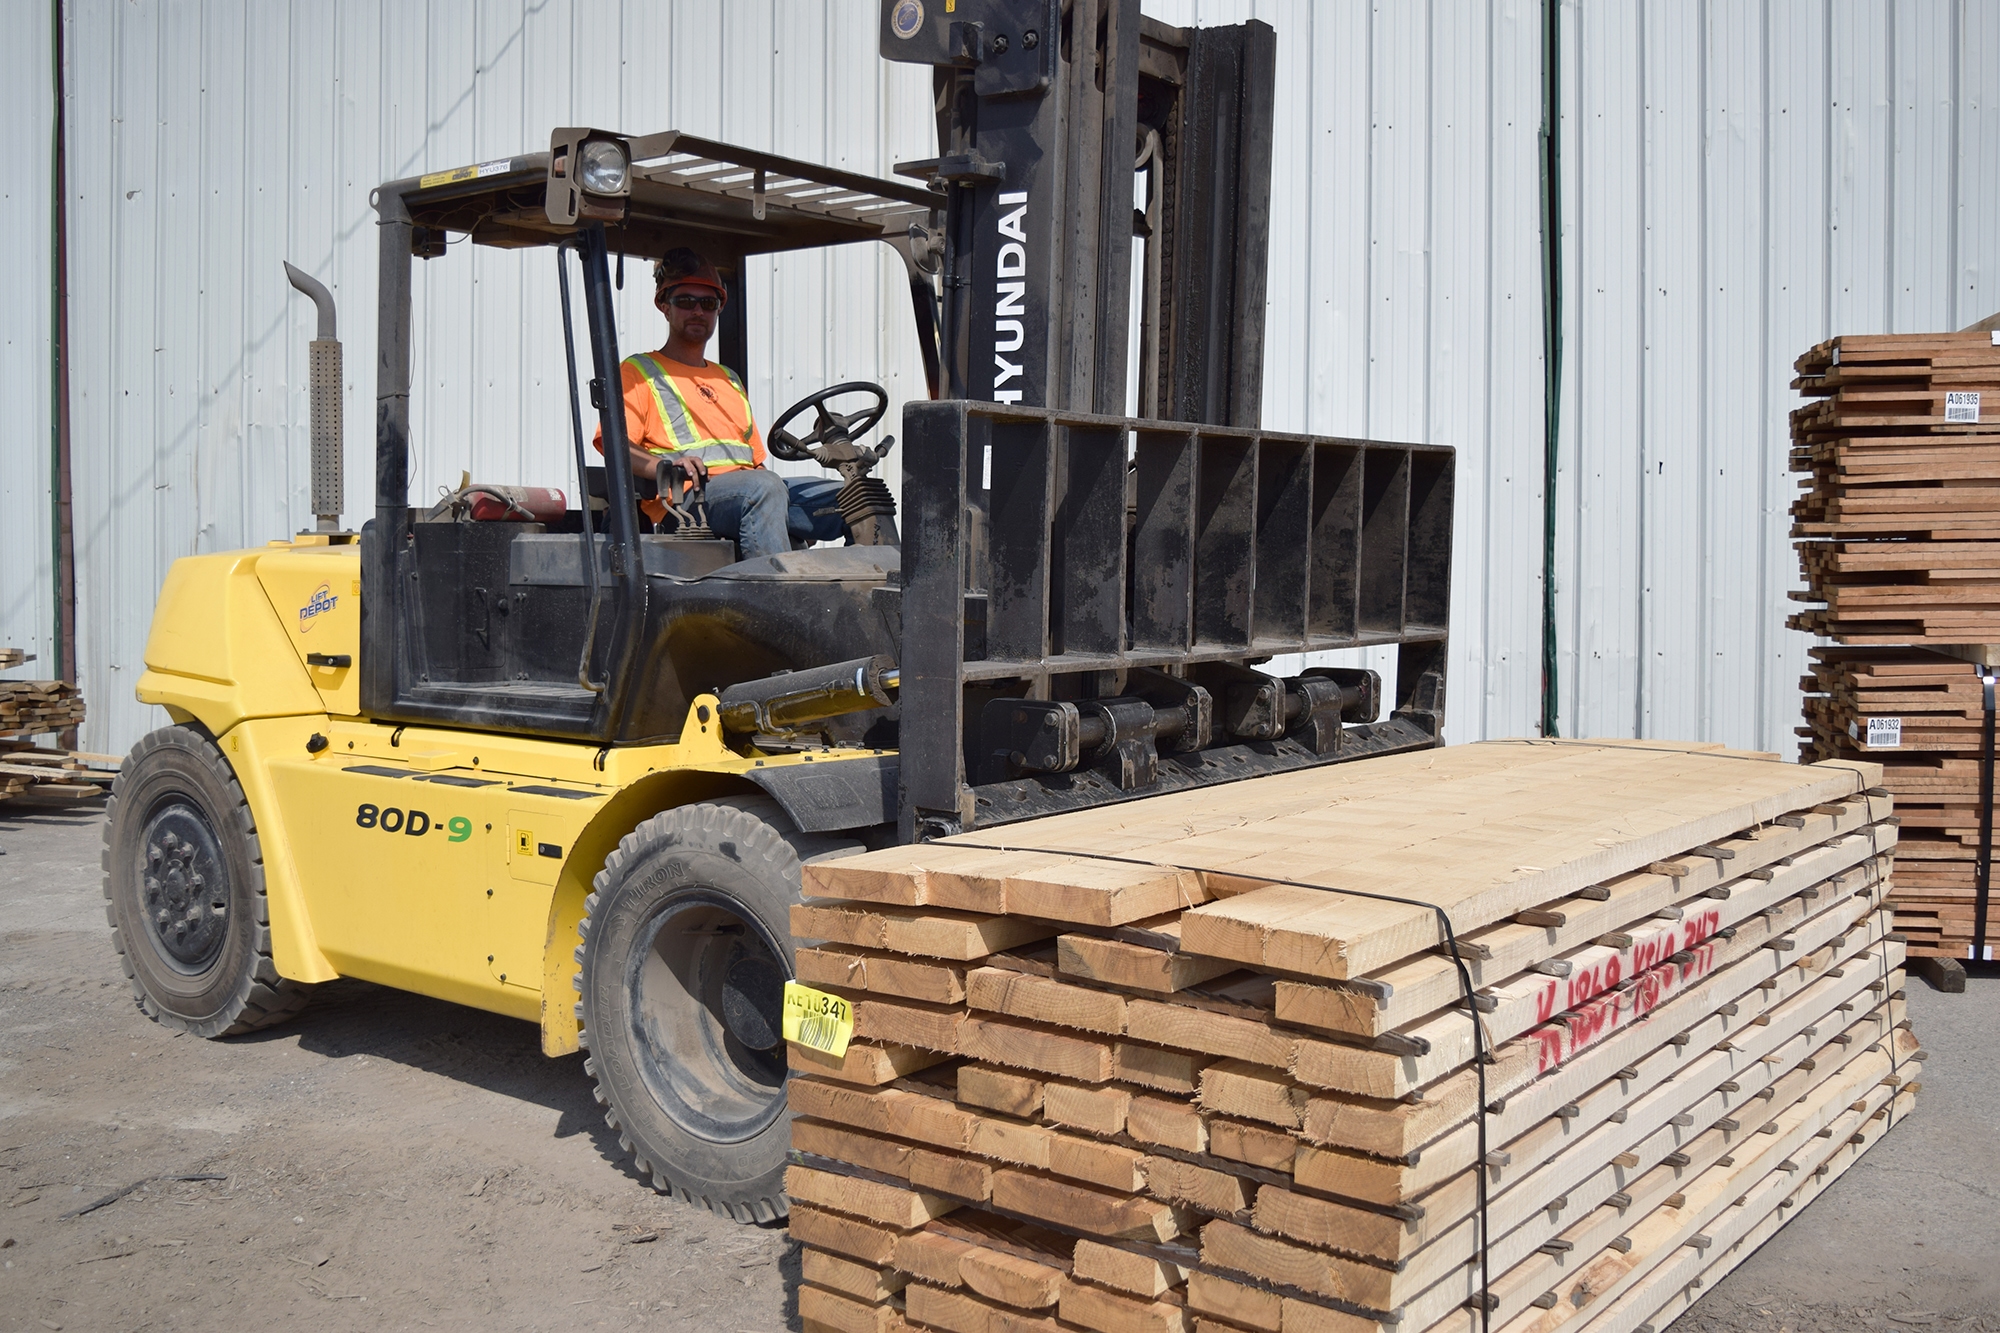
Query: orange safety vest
(695, 420)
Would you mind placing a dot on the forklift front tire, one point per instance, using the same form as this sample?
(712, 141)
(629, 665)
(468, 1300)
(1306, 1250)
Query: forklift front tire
(686, 950)
(184, 891)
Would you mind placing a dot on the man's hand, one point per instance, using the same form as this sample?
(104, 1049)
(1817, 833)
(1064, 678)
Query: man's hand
(669, 472)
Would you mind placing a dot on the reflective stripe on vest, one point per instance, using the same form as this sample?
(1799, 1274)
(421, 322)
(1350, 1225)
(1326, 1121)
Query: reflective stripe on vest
(675, 414)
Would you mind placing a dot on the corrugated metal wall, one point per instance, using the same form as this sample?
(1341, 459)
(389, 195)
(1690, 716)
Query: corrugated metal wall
(1405, 287)
(1739, 180)
(211, 141)
(27, 105)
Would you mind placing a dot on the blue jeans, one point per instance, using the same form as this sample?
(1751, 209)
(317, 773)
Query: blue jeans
(763, 513)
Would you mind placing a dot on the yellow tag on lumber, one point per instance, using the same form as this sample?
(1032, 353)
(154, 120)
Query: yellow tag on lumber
(817, 1020)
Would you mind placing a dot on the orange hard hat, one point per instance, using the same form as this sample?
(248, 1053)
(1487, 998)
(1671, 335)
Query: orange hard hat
(685, 268)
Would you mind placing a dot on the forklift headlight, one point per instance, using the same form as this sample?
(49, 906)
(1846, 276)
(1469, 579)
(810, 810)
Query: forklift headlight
(602, 168)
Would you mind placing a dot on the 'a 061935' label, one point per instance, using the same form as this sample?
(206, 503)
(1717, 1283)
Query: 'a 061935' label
(817, 1020)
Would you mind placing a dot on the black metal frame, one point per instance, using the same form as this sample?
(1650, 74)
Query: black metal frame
(1112, 546)
(732, 202)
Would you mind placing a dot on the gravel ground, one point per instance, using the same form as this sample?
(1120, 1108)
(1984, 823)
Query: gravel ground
(388, 1161)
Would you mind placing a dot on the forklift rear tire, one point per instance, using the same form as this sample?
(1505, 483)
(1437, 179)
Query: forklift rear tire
(686, 948)
(184, 891)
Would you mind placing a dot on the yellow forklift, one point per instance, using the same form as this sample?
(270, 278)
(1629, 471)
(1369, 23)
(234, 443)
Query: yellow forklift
(531, 757)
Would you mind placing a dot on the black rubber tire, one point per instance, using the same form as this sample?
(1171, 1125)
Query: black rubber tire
(662, 1056)
(174, 783)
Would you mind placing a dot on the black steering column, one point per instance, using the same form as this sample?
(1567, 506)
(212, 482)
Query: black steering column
(864, 501)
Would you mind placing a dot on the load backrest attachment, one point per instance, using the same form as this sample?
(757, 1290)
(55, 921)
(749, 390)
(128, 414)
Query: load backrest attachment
(1128, 569)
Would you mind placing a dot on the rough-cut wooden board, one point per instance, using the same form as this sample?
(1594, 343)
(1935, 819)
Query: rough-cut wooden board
(864, 1282)
(1232, 1246)
(1525, 1096)
(1494, 850)
(1136, 1274)
(1597, 971)
(960, 936)
(843, 1314)
(1482, 831)
(1816, 1131)
(882, 1110)
(1097, 1110)
(1405, 992)
(849, 1236)
(1083, 1208)
(1113, 1312)
(1687, 1273)
(1010, 1279)
(873, 1200)
(1118, 963)
(871, 1152)
(1573, 1167)
(850, 968)
(866, 1064)
(1000, 1090)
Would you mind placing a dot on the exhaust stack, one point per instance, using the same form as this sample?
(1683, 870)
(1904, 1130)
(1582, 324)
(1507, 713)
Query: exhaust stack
(326, 409)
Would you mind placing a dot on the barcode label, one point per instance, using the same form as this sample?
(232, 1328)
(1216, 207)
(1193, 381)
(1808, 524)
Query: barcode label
(818, 1031)
(1885, 733)
(816, 1020)
(1962, 409)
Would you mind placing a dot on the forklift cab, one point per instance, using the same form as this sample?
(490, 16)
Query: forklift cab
(502, 609)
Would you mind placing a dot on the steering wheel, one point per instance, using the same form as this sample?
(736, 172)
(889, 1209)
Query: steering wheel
(832, 427)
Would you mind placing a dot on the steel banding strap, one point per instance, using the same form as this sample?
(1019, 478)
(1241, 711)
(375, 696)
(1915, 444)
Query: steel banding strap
(1983, 868)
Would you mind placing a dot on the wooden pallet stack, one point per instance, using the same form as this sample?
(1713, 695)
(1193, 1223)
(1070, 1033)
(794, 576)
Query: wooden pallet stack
(34, 707)
(1899, 542)
(1921, 716)
(31, 708)
(1900, 516)
(1168, 1067)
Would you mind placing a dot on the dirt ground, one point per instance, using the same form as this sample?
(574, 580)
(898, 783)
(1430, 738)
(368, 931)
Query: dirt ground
(393, 1162)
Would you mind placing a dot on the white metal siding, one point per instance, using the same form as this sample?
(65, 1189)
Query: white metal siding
(212, 141)
(1740, 180)
(27, 556)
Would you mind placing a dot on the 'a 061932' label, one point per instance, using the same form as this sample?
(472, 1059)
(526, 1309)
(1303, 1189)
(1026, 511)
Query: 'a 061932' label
(818, 1021)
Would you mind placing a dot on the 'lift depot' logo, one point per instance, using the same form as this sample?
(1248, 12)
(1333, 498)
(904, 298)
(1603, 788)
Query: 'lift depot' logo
(322, 602)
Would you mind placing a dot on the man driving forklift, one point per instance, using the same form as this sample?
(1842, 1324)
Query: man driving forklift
(689, 424)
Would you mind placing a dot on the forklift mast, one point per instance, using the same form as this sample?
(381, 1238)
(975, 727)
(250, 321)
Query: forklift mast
(1086, 595)
(1046, 112)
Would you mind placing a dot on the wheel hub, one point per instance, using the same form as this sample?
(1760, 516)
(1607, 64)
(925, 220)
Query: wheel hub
(184, 887)
(706, 994)
(752, 1002)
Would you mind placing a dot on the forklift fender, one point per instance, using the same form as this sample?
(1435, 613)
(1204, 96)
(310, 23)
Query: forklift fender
(829, 797)
(631, 807)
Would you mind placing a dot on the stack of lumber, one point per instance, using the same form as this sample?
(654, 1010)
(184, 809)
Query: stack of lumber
(30, 708)
(27, 768)
(1900, 516)
(1163, 1067)
(34, 707)
(1921, 716)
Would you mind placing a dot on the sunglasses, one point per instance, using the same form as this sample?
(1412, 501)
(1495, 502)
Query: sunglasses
(709, 304)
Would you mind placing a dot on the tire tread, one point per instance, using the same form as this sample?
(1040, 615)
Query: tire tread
(263, 998)
(756, 838)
